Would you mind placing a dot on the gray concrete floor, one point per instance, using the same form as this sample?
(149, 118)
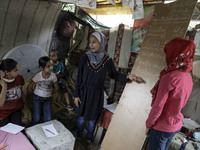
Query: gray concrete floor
(82, 144)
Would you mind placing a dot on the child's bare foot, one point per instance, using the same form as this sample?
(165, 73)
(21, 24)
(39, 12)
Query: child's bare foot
(69, 107)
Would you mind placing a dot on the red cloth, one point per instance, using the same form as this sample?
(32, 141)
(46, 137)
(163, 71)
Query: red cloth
(105, 119)
(179, 56)
(13, 97)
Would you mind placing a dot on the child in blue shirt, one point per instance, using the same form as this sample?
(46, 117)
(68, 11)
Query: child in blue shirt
(58, 69)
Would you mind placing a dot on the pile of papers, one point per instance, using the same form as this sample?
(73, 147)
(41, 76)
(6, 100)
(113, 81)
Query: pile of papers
(12, 128)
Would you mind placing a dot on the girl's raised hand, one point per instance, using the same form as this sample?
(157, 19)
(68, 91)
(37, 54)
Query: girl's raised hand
(3, 84)
(3, 92)
(77, 101)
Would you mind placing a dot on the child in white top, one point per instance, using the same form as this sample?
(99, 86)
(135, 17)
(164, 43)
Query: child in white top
(44, 81)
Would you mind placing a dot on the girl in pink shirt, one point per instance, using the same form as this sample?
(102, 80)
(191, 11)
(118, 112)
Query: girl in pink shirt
(170, 94)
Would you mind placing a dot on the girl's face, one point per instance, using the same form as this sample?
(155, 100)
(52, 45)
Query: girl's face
(53, 56)
(13, 73)
(48, 68)
(94, 44)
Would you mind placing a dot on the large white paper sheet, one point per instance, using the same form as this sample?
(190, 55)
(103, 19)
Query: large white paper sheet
(12, 128)
(49, 130)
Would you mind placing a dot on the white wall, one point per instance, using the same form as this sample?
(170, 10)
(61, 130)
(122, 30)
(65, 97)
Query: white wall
(26, 22)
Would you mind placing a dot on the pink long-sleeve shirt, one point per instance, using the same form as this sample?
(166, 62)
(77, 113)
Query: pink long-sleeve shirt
(173, 92)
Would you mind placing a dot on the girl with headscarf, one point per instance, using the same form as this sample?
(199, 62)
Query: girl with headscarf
(170, 94)
(89, 91)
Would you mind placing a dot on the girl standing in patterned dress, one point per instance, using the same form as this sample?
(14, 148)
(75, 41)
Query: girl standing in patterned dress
(89, 91)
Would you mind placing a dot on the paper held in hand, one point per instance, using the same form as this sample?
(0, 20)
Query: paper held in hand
(12, 128)
(49, 130)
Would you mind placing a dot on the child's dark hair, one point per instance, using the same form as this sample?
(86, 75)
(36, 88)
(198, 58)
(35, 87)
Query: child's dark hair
(43, 61)
(8, 64)
(56, 51)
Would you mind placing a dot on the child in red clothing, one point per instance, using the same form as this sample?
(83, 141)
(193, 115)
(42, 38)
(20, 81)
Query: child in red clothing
(11, 93)
(170, 94)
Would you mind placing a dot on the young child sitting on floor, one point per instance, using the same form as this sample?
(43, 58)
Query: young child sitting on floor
(58, 69)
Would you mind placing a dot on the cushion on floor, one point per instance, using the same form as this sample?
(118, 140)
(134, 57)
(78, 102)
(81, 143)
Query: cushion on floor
(63, 141)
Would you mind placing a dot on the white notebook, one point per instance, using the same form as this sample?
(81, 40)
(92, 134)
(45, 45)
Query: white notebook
(12, 128)
(49, 130)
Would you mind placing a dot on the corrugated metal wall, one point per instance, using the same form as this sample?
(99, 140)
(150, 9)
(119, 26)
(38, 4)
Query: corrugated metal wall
(26, 22)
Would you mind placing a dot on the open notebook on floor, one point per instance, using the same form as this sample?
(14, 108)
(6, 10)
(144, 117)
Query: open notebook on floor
(12, 128)
(49, 130)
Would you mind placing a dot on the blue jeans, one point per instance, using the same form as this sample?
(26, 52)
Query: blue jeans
(90, 128)
(40, 103)
(159, 140)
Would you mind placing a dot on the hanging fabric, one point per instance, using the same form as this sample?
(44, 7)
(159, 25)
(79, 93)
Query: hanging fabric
(82, 3)
(138, 10)
(112, 1)
(128, 3)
